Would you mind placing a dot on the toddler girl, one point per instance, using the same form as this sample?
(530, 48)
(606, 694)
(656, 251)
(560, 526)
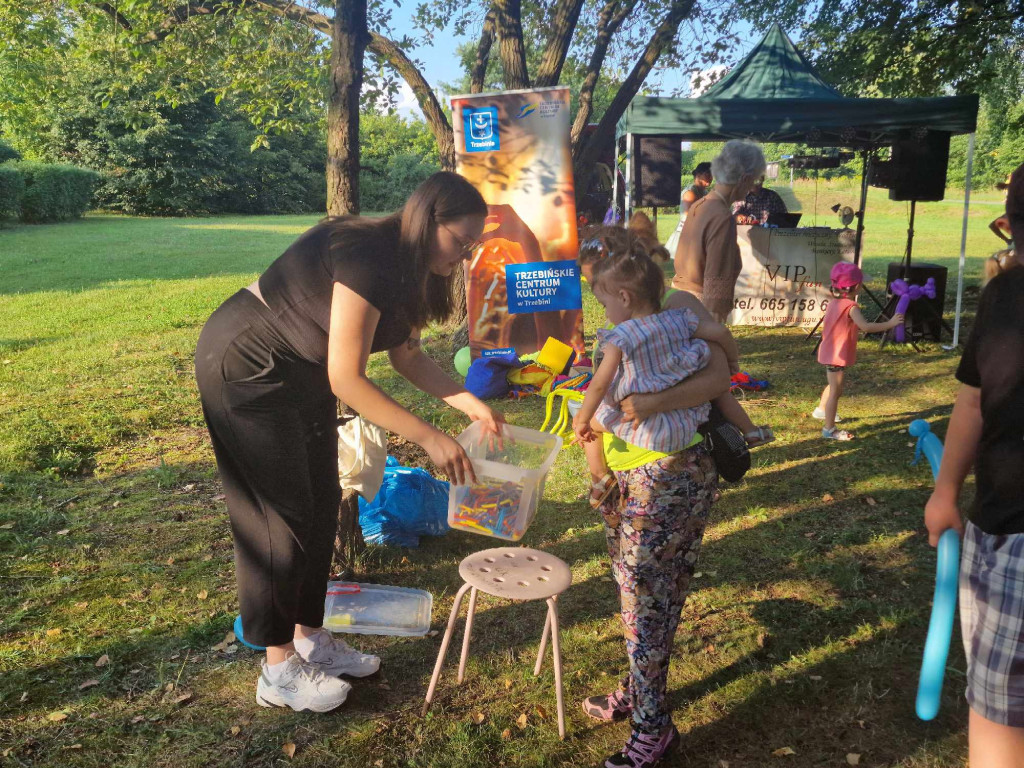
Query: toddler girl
(838, 349)
(648, 350)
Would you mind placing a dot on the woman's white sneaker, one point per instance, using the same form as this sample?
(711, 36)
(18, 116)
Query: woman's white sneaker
(333, 656)
(300, 685)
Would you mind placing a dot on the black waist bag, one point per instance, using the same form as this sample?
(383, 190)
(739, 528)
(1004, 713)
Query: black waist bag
(726, 445)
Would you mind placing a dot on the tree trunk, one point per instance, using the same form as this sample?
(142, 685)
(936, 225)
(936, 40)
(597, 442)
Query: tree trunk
(483, 53)
(662, 37)
(348, 542)
(510, 44)
(348, 44)
(562, 27)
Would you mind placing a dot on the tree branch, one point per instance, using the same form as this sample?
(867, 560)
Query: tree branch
(563, 25)
(661, 39)
(483, 52)
(610, 19)
(432, 112)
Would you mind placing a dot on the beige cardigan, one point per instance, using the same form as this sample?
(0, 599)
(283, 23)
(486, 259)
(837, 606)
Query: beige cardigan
(707, 258)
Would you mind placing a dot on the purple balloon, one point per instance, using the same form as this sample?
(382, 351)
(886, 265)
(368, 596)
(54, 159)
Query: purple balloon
(907, 294)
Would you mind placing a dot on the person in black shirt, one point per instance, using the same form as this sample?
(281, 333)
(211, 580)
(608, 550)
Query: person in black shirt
(987, 430)
(272, 363)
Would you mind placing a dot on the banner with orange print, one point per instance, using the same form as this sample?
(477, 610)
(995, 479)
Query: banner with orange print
(522, 284)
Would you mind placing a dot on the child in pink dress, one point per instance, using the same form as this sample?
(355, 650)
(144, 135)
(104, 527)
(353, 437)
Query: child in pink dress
(838, 349)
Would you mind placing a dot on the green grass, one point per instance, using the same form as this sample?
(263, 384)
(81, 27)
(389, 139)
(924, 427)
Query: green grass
(804, 628)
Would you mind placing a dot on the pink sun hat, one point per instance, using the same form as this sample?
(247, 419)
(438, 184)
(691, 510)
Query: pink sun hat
(846, 275)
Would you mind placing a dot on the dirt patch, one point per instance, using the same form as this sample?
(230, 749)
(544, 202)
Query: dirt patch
(408, 454)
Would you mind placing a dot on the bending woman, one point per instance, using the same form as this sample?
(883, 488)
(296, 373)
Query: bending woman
(272, 363)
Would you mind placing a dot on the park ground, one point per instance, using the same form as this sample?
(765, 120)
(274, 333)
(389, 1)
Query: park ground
(799, 645)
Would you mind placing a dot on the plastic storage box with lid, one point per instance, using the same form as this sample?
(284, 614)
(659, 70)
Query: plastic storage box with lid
(377, 609)
(509, 481)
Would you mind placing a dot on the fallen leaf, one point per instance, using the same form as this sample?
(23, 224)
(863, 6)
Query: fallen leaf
(189, 487)
(182, 699)
(56, 717)
(231, 649)
(103, 660)
(404, 561)
(52, 632)
(828, 497)
(24, 697)
(288, 748)
(506, 734)
(88, 684)
(698, 574)
(230, 637)
(852, 758)
(861, 724)
(723, 764)
(202, 594)
(522, 721)
(207, 558)
(6, 526)
(81, 605)
(479, 718)
(170, 561)
(808, 535)
(75, 746)
(219, 497)
(508, 684)
(63, 531)
(783, 751)
(815, 677)
(870, 501)
(541, 712)
(235, 730)
(432, 633)
(138, 719)
(169, 687)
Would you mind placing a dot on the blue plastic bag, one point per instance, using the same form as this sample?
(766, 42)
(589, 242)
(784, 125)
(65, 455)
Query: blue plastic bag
(487, 376)
(411, 503)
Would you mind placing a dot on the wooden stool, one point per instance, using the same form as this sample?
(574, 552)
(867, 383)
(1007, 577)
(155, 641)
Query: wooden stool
(516, 573)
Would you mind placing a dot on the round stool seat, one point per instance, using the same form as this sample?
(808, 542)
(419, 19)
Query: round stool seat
(516, 573)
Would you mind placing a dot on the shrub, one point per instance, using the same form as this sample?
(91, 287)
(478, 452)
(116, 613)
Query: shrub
(56, 192)
(7, 152)
(385, 186)
(12, 189)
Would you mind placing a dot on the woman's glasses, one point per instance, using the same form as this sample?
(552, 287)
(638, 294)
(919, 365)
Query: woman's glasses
(466, 247)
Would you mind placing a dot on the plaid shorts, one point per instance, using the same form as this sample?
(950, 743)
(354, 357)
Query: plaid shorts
(992, 620)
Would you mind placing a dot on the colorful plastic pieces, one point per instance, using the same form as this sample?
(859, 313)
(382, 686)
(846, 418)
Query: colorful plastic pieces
(490, 507)
(744, 380)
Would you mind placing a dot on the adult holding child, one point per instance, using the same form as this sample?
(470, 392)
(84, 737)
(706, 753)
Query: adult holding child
(272, 363)
(707, 258)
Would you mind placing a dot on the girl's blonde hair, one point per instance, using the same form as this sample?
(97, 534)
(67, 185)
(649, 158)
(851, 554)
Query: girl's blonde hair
(999, 262)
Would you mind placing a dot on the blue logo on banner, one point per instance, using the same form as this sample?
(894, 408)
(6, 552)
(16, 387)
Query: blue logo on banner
(481, 127)
(543, 285)
(498, 352)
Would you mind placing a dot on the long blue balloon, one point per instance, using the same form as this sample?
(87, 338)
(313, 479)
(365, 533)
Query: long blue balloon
(940, 628)
(928, 444)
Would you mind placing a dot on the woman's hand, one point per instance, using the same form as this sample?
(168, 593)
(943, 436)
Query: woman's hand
(492, 421)
(940, 514)
(449, 457)
(636, 408)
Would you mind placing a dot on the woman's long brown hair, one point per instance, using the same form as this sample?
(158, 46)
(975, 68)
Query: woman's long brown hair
(444, 197)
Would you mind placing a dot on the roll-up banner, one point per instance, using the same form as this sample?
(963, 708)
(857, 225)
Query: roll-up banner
(523, 282)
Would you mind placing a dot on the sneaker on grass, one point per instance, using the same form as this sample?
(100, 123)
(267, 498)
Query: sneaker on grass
(644, 750)
(333, 656)
(300, 685)
(609, 707)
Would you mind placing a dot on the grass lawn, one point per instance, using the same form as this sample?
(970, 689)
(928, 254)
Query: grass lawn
(804, 629)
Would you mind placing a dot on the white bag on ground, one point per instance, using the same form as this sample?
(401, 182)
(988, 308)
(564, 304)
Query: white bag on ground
(362, 453)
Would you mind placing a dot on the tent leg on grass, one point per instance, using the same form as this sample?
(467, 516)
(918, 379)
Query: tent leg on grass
(963, 245)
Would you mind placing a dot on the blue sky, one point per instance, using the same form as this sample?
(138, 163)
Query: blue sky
(440, 63)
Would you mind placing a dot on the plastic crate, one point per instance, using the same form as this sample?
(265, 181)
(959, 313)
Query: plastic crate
(510, 481)
(377, 609)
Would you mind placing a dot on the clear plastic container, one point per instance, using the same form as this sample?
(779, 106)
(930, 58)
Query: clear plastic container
(377, 609)
(510, 481)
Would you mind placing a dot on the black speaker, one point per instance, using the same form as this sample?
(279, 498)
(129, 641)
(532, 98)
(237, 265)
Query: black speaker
(920, 322)
(880, 173)
(658, 168)
(920, 158)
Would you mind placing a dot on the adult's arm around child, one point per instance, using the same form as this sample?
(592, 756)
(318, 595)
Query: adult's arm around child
(702, 387)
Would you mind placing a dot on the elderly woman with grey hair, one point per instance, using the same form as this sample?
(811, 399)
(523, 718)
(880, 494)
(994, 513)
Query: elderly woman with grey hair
(707, 258)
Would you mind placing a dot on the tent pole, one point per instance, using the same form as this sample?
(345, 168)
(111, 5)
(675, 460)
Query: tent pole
(963, 243)
(863, 205)
(628, 207)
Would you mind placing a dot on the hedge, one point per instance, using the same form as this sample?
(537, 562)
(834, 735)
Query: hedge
(56, 192)
(12, 189)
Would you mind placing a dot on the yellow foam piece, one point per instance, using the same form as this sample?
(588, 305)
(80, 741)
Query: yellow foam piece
(554, 355)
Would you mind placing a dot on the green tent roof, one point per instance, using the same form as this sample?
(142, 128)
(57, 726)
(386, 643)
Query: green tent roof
(775, 69)
(775, 95)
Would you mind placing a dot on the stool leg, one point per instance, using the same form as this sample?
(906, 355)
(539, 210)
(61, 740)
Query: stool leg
(444, 648)
(465, 636)
(543, 644)
(556, 648)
